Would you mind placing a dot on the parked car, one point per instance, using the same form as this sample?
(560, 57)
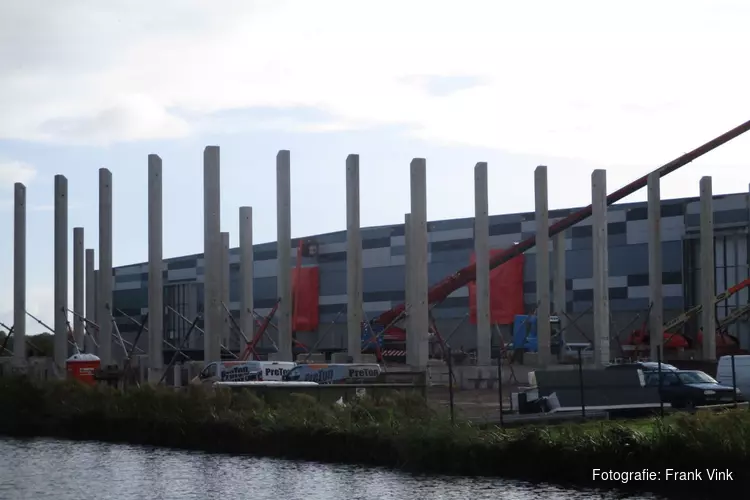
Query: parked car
(741, 377)
(690, 388)
(646, 366)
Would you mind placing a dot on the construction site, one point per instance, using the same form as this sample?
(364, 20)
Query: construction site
(604, 284)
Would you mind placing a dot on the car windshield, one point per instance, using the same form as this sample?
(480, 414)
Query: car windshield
(696, 378)
(292, 374)
(209, 371)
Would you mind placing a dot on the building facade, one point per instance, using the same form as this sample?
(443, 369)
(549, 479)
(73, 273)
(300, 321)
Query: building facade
(451, 244)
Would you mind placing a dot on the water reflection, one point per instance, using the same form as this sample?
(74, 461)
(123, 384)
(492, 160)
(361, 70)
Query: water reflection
(44, 469)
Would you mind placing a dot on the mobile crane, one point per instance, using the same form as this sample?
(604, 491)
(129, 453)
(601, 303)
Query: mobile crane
(387, 322)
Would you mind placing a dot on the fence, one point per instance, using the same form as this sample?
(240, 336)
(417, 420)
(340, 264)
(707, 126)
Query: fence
(621, 391)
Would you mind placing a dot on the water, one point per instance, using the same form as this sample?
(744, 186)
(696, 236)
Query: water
(42, 469)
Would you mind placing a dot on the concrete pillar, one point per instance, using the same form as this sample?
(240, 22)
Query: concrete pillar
(411, 352)
(542, 266)
(247, 322)
(89, 345)
(353, 261)
(213, 312)
(708, 270)
(284, 246)
(19, 277)
(104, 285)
(155, 271)
(600, 256)
(97, 304)
(78, 287)
(226, 324)
(419, 255)
(61, 274)
(656, 316)
(482, 257)
(177, 374)
(558, 282)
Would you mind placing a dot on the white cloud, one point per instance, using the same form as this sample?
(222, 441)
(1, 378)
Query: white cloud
(15, 171)
(582, 79)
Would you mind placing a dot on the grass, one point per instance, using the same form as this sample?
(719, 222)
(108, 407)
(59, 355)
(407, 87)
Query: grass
(396, 430)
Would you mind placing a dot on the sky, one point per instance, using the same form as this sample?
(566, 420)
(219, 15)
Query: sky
(575, 85)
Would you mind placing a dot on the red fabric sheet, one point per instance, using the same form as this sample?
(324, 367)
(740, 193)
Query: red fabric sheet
(306, 317)
(506, 291)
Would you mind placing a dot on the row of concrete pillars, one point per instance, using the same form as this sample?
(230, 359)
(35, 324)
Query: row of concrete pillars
(99, 282)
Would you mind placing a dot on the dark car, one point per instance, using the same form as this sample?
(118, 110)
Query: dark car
(690, 388)
(646, 366)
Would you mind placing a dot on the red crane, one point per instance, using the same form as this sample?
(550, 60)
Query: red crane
(441, 290)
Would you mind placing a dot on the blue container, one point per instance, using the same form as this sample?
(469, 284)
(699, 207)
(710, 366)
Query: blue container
(524, 333)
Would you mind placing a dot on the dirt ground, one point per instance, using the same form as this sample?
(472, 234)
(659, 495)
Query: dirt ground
(473, 404)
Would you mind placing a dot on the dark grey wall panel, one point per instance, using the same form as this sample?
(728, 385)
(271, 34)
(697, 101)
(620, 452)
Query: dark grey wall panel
(264, 288)
(334, 282)
(381, 279)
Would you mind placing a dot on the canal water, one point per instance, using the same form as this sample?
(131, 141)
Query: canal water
(43, 469)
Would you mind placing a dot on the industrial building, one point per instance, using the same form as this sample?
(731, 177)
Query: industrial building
(451, 246)
(607, 270)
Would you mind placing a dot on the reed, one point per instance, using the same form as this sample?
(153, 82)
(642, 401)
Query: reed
(398, 430)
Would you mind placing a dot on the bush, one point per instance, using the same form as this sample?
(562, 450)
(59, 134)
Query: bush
(399, 430)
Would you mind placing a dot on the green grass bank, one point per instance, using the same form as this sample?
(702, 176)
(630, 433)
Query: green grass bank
(397, 431)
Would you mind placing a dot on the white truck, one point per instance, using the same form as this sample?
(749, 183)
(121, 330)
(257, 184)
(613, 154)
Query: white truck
(243, 371)
(333, 373)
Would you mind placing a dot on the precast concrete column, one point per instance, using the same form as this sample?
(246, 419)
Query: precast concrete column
(225, 329)
(482, 259)
(90, 346)
(97, 287)
(213, 311)
(104, 284)
(247, 321)
(19, 277)
(559, 289)
(78, 287)
(656, 314)
(542, 266)
(61, 274)
(284, 252)
(155, 271)
(411, 350)
(600, 267)
(354, 306)
(708, 269)
(419, 256)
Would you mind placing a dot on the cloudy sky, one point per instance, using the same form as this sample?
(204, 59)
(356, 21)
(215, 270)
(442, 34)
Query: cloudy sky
(575, 85)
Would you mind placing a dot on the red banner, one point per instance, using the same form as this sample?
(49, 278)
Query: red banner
(506, 291)
(307, 297)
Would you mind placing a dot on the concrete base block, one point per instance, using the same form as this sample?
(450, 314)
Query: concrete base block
(531, 358)
(340, 357)
(314, 357)
(36, 368)
(480, 377)
(178, 375)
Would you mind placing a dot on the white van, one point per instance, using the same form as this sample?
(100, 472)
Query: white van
(243, 371)
(741, 372)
